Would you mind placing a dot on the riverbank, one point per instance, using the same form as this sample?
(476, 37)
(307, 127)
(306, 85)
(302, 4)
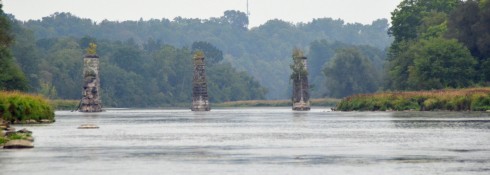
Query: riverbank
(275, 103)
(11, 139)
(17, 107)
(59, 104)
(470, 99)
(72, 104)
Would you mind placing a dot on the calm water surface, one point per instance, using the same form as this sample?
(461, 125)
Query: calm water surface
(256, 141)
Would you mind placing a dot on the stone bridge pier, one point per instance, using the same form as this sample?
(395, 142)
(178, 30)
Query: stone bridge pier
(200, 101)
(91, 101)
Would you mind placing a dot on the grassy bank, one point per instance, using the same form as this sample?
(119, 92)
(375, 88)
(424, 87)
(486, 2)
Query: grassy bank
(72, 104)
(64, 104)
(18, 107)
(471, 99)
(275, 103)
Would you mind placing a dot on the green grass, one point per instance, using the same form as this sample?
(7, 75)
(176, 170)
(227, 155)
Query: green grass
(64, 104)
(3, 140)
(471, 99)
(18, 107)
(275, 103)
(18, 136)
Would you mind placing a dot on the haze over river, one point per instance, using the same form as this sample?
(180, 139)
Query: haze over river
(256, 141)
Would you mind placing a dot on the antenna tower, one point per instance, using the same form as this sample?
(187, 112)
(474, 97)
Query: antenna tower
(248, 12)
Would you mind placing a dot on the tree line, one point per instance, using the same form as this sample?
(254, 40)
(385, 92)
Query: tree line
(430, 44)
(264, 52)
(439, 44)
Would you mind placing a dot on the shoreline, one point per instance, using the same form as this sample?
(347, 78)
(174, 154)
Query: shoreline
(468, 99)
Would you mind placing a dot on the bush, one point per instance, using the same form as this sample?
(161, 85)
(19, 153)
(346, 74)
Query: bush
(18, 107)
(475, 99)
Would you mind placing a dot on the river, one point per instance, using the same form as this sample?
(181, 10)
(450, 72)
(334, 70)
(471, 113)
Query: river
(256, 141)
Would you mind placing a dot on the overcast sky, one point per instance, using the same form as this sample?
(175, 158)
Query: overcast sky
(362, 11)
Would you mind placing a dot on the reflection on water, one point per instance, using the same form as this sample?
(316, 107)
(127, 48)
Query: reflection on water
(256, 141)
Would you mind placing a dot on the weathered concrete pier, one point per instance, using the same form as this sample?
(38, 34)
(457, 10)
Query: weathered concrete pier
(200, 101)
(301, 92)
(91, 101)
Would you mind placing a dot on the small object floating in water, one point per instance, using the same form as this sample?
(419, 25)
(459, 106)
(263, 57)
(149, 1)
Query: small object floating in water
(88, 126)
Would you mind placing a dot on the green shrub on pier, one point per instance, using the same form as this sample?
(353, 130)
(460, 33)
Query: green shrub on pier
(19, 107)
(472, 99)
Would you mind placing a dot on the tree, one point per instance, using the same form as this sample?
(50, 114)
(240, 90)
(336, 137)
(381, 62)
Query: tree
(11, 76)
(349, 73)
(412, 21)
(409, 15)
(469, 23)
(26, 54)
(259, 51)
(213, 54)
(298, 67)
(441, 63)
(236, 19)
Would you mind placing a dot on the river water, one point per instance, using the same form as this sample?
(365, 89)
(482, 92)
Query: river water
(256, 141)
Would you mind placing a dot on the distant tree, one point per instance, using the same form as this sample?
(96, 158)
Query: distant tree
(85, 41)
(213, 54)
(129, 57)
(349, 73)
(413, 20)
(469, 23)
(322, 53)
(409, 15)
(237, 19)
(259, 50)
(441, 63)
(26, 53)
(11, 76)
(62, 68)
(5, 33)
(151, 45)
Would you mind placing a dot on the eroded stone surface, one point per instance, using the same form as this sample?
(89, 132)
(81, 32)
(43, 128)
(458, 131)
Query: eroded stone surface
(200, 100)
(91, 101)
(18, 144)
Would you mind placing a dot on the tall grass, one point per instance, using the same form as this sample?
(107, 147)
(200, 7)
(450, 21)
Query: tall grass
(471, 99)
(64, 104)
(19, 107)
(275, 103)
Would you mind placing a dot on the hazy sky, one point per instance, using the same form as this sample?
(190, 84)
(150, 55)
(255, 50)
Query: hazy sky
(362, 11)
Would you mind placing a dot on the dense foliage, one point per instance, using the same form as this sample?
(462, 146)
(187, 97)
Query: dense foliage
(469, 23)
(350, 72)
(11, 76)
(476, 99)
(439, 44)
(321, 56)
(263, 52)
(131, 76)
